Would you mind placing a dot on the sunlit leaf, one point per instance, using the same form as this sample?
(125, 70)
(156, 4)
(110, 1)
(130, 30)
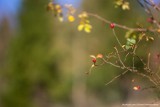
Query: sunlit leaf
(128, 34)
(60, 19)
(99, 56)
(80, 27)
(125, 6)
(131, 41)
(119, 2)
(71, 18)
(141, 36)
(86, 29)
(92, 56)
(151, 38)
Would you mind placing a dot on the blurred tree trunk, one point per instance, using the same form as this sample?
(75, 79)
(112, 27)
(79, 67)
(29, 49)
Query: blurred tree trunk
(5, 36)
(79, 96)
(32, 69)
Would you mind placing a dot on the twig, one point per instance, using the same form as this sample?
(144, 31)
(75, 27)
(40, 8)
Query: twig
(107, 62)
(119, 57)
(133, 62)
(141, 74)
(153, 5)
(117, 77)
(114, 33)
(126, 56)
(121, 26)
(148, 62)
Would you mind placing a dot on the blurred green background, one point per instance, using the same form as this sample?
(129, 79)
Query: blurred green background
(43, 62)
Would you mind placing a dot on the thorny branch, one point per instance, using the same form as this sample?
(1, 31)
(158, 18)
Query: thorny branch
(131, 69)
(121, 26)
(152, 76)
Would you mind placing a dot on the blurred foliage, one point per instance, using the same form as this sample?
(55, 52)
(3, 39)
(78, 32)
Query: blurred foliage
(32, 68)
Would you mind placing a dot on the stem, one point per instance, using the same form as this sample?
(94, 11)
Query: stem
(114, 33)
(121, 26)
(117, 77)
(148, 60)
(119, 57)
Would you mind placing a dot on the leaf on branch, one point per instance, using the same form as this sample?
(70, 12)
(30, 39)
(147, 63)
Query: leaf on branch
(99, 56)
(128, 34)
(50, 6)
(92, 56)
(84, 23)
(131, 39)
(141, 35)
(123, 4)
(89, 72)
(71, 18)
(158, 30)
(130, 43)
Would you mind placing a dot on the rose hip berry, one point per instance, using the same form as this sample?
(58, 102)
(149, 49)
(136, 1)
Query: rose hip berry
(150, 19)
(112, 25)
(136, 88)
(94, 60)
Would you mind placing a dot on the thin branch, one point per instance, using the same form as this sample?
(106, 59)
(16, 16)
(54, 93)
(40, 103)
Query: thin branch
(148, 62)
(126, 57)
(153, 5)
(140, 59)
(107, 62)
(151, 80)
(150, 87)
(116, 77)
(121, 26)
(119, 57)
(114, 33)
(133, 62)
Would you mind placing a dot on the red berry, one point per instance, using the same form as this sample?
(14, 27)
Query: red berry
(112, 25)
(94, 60)
(136, 88)
(150, 20)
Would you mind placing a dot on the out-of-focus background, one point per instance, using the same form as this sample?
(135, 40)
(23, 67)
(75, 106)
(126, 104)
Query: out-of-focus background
(43, 61)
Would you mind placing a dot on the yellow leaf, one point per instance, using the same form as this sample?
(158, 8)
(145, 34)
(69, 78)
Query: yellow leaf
(57, 6)
(141, 36)
(147, 39)
(71, 18)
(151, 38)
(83, 15)
(50, 6)
(80, 27)
(88, 26)
(87, 21)
(119, 2)
(125, 6)
(92, 56)
(86, 29)
(60, 19)
(59, 11)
